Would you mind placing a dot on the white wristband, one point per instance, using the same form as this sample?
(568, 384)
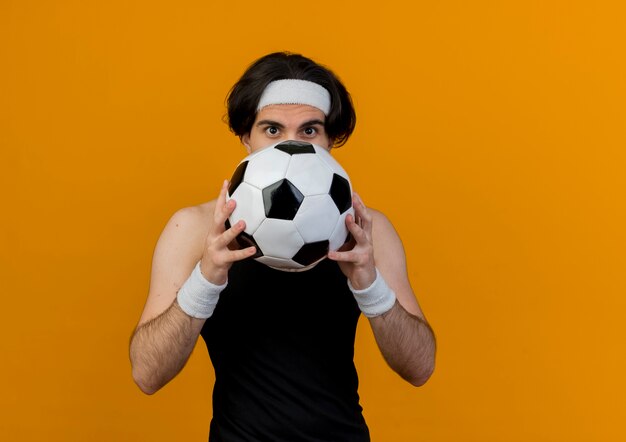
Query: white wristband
(375, 300)
(198, 297)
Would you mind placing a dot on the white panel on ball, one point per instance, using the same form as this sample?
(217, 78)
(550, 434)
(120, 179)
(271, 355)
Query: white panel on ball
(249, 207)
(338, 237)
(270, 165)
(328, 159)
(278, 238)
(310, 174)
(316, 218)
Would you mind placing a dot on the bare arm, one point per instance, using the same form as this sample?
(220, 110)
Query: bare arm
(166, 335)
(160, 347)
(404, 337)
(407, 343)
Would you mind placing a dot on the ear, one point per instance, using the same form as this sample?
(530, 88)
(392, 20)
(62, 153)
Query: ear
(245, 140)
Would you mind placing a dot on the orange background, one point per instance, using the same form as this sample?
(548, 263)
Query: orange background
(491, 133)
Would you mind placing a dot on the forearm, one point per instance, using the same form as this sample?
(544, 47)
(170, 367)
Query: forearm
(407, 344)
(160, 348)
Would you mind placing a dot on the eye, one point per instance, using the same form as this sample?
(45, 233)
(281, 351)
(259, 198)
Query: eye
(271, 130)
(310, 131)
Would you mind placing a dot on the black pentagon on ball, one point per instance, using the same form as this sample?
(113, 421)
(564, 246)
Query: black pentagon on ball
(282, 200)
(237, 177)
(295, 147)
(340, 193)
(311, 252)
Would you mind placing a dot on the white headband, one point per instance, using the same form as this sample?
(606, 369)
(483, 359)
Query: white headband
(295, 92)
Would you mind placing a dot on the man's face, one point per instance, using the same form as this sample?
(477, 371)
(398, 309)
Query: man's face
(280, 122)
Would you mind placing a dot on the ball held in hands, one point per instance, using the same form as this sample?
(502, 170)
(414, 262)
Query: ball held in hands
(294, 198)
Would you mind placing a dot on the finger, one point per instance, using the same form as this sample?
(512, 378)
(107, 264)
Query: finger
(221, 199)
(238, 255)
(358, 233)
(348, 256)
(227, 209)
(226, 257)
(362, 213)
(229, 235)
(223, 209)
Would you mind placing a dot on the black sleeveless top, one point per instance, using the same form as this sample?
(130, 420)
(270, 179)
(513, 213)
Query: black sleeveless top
(282, 346)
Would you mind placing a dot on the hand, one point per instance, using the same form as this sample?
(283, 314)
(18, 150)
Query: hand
(357, 263)
(217, 257)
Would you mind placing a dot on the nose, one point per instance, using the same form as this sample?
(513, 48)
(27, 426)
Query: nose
(291, 135)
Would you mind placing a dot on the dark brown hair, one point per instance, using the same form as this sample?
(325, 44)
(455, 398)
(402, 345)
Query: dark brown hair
(244, 97)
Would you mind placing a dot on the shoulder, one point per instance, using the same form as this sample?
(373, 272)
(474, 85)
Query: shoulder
(187, 229)
(191, 216)
(388, 247)
(383, 231)
(191, 220)
(177, 251)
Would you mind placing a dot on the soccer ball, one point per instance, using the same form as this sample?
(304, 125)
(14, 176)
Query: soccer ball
(294, 198)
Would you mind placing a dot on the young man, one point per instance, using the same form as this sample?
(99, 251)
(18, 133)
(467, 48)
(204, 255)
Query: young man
(281, 343)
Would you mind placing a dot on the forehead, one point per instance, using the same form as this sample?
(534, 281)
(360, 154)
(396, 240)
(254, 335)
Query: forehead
(290, 113)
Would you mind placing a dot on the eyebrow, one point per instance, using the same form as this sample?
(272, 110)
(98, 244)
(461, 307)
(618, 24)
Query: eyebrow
(269, 123)
(312, 123)
(282, 126)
